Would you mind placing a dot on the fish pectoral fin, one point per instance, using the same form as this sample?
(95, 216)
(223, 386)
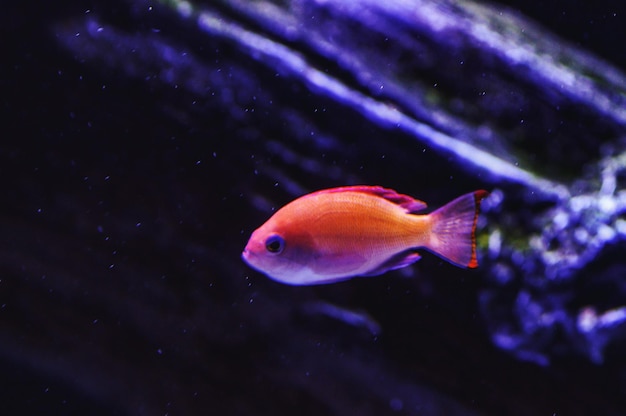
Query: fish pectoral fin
(338, 264)
(396, 261)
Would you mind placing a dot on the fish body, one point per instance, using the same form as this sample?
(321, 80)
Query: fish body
(339, 233)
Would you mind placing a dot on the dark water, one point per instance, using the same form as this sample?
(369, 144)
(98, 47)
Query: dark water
(141, 148)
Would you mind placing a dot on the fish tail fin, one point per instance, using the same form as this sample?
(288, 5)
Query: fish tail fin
(453, 232)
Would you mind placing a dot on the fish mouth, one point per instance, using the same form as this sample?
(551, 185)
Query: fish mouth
(246, 254)
(250, 258)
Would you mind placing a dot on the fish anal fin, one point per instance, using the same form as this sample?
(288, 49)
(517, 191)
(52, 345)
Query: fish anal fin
(397, 261)
(407, 202)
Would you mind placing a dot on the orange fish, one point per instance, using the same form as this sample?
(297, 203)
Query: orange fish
(339, 233)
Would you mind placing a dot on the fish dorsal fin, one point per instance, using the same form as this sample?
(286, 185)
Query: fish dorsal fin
(408, 203)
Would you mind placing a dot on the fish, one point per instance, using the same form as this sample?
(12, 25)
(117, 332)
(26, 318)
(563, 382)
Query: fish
(340, 233)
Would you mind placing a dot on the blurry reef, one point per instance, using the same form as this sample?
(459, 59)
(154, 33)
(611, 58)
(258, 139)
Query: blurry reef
(144, 141)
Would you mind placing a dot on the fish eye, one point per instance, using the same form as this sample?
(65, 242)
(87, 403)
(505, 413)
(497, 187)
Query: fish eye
(275, 244)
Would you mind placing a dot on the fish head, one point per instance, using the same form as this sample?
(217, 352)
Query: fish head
(281, 253)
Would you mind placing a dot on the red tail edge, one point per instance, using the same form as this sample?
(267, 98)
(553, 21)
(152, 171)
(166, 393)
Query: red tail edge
(478, 197)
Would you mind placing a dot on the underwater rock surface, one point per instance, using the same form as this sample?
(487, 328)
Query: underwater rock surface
(146, 140)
